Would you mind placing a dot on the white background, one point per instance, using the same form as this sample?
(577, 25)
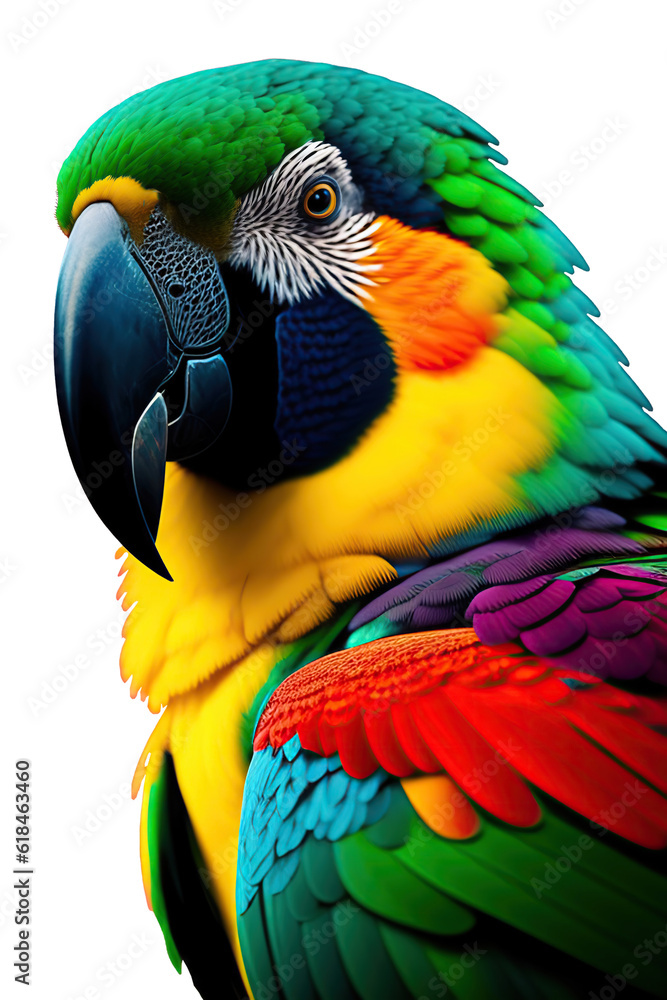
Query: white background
(545, 82)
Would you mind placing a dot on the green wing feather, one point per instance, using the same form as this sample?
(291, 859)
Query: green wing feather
(395, 910)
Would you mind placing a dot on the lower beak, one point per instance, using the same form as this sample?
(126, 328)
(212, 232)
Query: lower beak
(136, 386)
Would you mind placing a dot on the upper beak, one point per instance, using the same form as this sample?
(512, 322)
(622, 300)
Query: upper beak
(140, 375)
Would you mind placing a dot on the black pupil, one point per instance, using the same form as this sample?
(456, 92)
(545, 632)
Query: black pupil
(319, 201)
(176, 290)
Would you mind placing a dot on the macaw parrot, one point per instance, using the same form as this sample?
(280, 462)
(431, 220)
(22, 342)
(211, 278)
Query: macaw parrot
(393, 520)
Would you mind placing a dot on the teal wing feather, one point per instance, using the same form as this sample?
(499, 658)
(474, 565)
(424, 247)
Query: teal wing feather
(395, 910)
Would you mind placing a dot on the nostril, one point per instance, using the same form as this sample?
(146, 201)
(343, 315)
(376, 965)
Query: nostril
(176, 290)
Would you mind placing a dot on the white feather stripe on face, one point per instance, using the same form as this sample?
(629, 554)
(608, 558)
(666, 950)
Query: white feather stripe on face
(294, 257)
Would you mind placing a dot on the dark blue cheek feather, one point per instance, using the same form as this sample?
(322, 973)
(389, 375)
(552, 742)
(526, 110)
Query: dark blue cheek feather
(336, 375)
(400, 193)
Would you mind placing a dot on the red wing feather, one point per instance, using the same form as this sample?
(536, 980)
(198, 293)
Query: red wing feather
(492, 718)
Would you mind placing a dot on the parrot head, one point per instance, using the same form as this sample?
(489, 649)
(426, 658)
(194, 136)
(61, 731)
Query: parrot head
(304, 282)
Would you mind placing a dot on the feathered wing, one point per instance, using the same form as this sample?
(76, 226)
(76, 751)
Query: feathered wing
(178, 887)
(426, 812)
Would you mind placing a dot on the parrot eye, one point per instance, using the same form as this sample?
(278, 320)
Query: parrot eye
(322, 199)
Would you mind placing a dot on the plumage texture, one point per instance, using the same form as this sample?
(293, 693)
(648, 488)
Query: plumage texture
(444, 696)
(419, 672)
(339, 257)
(610, 623)
(413, 902)
(445, 588)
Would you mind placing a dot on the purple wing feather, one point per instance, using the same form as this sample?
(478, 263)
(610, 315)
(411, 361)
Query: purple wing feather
(604, 623)
(606, 620)
(450, 585)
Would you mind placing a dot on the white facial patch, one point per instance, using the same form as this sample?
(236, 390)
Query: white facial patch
(293, 256)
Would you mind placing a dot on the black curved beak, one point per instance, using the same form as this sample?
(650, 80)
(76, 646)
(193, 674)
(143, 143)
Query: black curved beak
(140, 376)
